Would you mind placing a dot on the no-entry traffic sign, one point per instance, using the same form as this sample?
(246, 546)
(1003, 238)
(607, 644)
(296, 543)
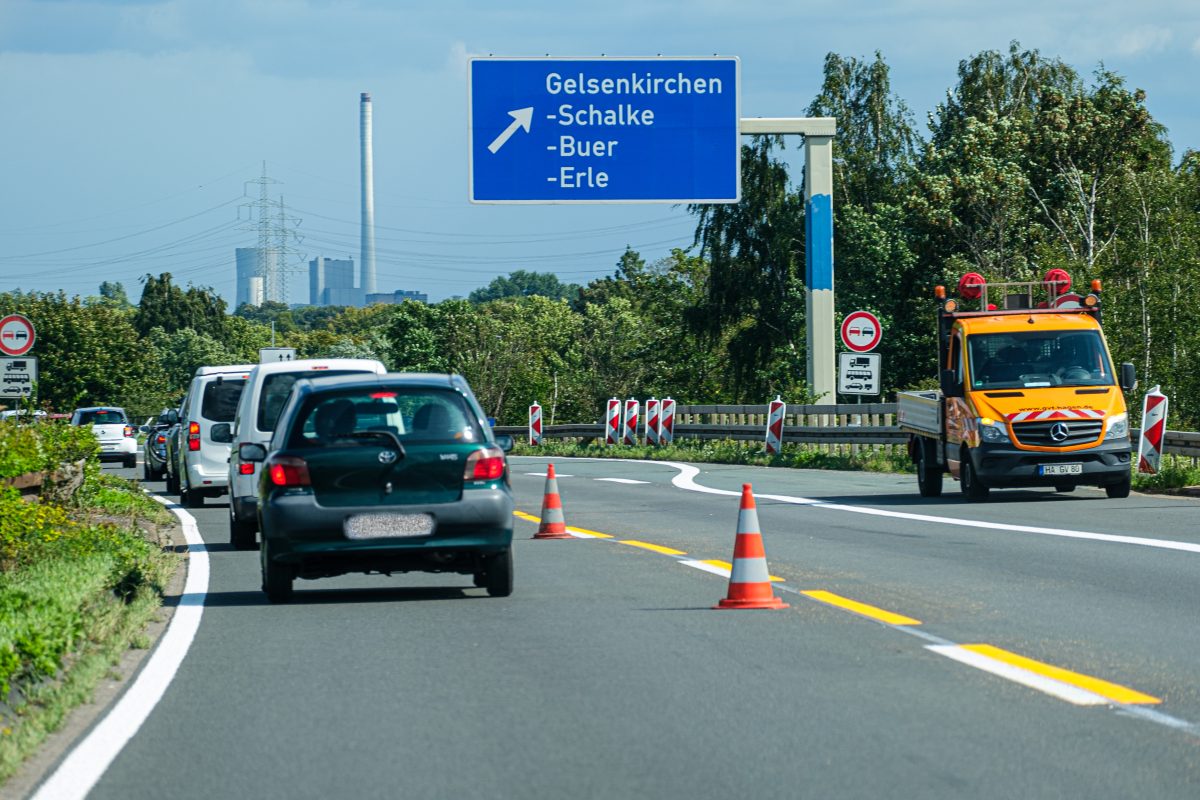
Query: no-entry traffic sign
(16, 335)
(861, 331)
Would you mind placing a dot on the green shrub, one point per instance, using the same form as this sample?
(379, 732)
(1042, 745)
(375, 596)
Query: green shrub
(1174, 472)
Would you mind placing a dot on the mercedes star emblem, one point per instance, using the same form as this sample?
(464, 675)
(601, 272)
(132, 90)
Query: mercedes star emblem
(1059, 431)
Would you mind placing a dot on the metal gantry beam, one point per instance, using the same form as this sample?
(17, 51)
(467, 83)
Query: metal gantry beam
(818, 133)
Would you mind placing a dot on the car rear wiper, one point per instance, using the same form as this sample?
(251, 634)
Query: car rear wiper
(391, 437)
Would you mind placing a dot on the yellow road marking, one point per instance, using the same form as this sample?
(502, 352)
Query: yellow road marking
(1111, 691)
(725, 565)
(862, 608)
(570, 528)
(657, 548)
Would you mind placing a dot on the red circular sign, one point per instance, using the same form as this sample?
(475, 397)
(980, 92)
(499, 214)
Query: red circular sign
(16, 335)
(861, 331)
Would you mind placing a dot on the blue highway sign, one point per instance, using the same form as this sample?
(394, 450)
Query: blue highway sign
(604, 130)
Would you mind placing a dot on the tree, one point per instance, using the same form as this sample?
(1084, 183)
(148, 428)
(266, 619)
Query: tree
(164, 305)
(755, 289)
(525, 284)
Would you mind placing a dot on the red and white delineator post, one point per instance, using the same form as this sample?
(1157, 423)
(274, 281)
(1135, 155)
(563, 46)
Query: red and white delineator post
(775, 416)
(535, 424)
(652, 422)
(631, 421)
(612, 426)
(1154, 427)
(666, 421)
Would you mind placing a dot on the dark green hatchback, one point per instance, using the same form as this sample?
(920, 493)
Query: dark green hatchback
(382, 474)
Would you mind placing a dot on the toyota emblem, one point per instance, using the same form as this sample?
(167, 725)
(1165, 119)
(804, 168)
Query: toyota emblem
(387, 457)
(1059, 431)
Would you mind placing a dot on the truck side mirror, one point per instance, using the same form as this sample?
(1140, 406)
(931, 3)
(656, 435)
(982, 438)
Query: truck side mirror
(950, 385)
(252, 452)
(220, 433)
(1128, 377)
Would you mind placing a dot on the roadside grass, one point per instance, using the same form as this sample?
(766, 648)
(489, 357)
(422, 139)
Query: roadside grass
(78, 585)
(728, 451)
(1175, 472)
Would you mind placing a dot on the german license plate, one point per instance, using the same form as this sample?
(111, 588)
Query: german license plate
(387, 526)
(1060, 469)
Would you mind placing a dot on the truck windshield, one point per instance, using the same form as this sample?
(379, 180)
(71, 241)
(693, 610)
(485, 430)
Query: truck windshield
(1029, 360)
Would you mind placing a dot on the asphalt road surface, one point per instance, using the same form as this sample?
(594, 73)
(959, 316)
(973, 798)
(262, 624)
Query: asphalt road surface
(1038, 645)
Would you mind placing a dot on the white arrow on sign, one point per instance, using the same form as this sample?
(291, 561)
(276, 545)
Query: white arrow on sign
(522, 118)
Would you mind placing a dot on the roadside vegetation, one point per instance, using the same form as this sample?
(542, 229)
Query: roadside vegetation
(83, 564)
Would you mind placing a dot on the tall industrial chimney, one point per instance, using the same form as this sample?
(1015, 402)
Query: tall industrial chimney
(367, 255)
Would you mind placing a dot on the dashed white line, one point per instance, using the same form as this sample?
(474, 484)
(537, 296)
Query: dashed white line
(628, 481)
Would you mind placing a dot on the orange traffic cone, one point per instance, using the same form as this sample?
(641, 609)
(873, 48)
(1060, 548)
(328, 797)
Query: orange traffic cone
(749, 580)
(553, 525)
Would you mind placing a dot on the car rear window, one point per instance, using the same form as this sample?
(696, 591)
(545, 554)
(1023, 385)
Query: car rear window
(367, 416)
(102, 416)
(220, 400)
(276, 388)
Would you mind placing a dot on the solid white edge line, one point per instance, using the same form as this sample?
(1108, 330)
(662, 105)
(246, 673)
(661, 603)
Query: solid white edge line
(627, 481)
(1063, 691)
(88, 760)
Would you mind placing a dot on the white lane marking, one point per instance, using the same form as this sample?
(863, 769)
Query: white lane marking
(629, 481)
(87, 762)
(686, 480)
(1063, 691)
(543, 475)
(714, 569)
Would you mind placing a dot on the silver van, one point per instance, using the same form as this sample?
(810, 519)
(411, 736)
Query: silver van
(202, 438)
(267, 389)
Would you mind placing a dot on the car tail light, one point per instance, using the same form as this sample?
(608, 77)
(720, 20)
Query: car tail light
(128, 431)
(193, 436)
(160, 439)
(245, 468)
(288, 471)
(485, 465)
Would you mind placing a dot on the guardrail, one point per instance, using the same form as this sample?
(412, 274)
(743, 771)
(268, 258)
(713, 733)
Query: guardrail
(851, 424)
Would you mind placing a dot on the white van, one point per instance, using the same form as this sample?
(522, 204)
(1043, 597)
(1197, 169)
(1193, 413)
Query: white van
(266, 391)
(201, 446)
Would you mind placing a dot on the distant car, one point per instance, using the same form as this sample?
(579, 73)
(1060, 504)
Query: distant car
(154, 449)
(201, 440)
(118, 438)
(21, 413)
(266, 392)
(383, 473)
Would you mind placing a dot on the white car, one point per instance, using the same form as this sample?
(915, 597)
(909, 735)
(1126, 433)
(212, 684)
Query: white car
(266, 391)
(201, 447)
(118, 438)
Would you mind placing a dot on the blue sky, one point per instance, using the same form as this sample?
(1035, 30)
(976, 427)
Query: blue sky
(129, 130)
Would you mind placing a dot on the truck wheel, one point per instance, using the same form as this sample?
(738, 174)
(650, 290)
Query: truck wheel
(172, 484)
(969, 482)
(929, 475)
(1119, 490)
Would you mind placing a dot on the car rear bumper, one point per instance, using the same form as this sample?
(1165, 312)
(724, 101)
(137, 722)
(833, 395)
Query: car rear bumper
(119, 449)
(301, 532)
(215, 481)
(1006, 466)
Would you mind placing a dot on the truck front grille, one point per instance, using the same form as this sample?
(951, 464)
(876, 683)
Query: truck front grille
(1050, 433)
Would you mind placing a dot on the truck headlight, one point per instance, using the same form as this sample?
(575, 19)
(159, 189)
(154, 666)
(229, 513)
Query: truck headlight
(1117, 427)
(992, 431)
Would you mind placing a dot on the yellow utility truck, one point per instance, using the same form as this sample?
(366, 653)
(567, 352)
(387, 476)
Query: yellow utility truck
(1028, 393)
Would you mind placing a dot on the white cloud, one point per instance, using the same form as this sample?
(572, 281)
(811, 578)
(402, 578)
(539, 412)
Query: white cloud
(1144, 39)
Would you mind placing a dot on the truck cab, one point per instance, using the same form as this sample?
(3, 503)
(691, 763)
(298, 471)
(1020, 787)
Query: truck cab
(1029, 395)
